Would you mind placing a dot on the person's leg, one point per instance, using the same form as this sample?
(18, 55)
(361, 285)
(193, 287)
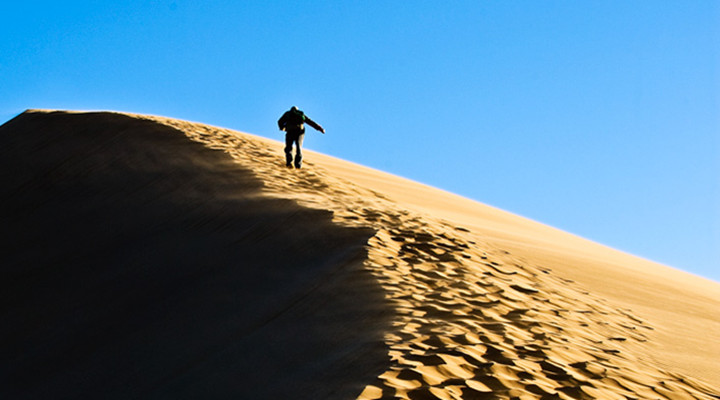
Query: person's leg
(289, 139)
(298, 152)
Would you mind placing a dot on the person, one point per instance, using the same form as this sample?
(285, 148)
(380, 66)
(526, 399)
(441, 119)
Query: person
(293, 123)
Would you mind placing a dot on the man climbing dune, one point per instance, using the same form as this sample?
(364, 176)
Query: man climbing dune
(293, 123)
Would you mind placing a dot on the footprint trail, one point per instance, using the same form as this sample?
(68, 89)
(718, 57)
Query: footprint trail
(472, 321)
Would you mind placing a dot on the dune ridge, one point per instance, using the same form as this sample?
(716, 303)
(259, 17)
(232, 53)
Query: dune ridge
(483, 308)
(473, 320)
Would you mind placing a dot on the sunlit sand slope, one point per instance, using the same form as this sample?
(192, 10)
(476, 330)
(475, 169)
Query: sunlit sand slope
(476, 303)
(683, 309)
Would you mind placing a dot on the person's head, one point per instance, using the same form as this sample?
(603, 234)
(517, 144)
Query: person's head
(293, 108)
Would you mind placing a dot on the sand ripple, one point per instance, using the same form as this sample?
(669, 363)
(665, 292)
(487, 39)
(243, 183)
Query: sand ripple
(473, 321)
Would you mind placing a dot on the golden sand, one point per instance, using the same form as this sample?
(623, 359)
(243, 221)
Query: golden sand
(552, 314)
(489, 305)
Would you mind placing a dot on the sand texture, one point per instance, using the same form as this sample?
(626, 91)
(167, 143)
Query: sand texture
(156, 258)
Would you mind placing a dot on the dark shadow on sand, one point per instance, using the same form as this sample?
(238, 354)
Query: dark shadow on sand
(139, 264)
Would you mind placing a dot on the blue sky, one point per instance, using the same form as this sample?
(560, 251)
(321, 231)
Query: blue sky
(601, 118)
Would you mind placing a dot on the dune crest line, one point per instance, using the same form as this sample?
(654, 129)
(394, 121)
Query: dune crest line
(472, 320)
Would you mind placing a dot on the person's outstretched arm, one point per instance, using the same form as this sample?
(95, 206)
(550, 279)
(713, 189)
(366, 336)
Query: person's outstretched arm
(314, 124)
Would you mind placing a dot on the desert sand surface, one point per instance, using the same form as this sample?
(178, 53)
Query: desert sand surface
(147, 257)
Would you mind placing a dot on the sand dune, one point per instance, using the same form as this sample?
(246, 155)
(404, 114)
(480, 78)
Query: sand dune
(152, 257)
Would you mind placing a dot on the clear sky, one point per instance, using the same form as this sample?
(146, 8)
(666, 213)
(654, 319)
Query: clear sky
(601, 118)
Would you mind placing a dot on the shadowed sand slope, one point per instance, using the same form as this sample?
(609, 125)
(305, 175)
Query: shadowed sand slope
(137, 263)
(360, 285)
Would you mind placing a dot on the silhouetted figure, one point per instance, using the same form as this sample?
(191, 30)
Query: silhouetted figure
(293, 123)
